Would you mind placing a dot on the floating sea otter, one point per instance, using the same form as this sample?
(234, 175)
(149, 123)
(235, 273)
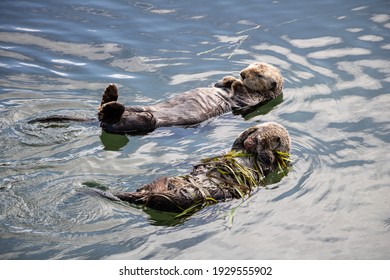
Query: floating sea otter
(259, 83)
(258, 151)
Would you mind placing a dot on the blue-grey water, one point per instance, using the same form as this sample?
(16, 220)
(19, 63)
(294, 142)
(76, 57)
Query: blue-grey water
(56, 57)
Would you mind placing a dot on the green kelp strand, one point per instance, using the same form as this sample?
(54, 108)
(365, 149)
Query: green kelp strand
(284, 154)
(232, 213)
(195, 206)
(190, 209)
(230, 155)
(247, 174)
(281, 169)
(283, 158)
(235, 176)
(259, 170)
(222, 171)
(239, 191)
(213, 200)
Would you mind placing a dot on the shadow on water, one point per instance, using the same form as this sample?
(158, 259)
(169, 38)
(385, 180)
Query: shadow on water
(159, 218)
(113, 142)
(265, 109)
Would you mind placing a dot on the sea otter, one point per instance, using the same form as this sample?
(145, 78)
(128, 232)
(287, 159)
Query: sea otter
(258, 151)
(259, 83)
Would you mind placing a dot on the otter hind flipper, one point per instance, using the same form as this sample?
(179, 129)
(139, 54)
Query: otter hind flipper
(111, 112)
(110, 94)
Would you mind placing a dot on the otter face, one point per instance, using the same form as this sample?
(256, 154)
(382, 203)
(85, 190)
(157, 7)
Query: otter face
(261, 77)
(264, 141)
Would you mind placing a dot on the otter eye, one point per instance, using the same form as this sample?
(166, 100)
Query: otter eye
(260, 76)
(263, 142)
(276, 142)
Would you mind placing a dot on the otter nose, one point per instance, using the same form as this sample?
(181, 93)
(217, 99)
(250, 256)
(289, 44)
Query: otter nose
(250, 144)
(273, 85)
(242, 75)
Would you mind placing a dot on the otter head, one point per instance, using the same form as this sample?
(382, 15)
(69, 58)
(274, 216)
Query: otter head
(264, 141)
(262, 77)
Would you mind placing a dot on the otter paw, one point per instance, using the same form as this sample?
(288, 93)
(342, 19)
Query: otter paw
(110, 94)
(111, 112)
(226, 82)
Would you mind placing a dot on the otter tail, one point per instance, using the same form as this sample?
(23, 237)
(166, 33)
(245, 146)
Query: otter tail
(60, 118)
(130, 197)
(105, 194)
(110, 94)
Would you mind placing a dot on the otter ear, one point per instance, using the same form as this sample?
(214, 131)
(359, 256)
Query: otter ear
(277, 142)
(273, 85)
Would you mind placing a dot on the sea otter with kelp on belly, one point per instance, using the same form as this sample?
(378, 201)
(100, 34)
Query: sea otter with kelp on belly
(257, 152)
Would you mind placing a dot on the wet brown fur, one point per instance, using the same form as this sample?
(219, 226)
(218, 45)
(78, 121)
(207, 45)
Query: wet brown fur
(259, 83)
(254, 149)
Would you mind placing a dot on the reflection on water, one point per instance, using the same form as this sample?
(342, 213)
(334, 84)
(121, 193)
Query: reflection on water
(113, 142)
(100, 52)
(58, 58)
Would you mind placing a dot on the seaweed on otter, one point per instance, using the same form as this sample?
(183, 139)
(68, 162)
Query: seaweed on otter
(233, 174)
(237, 177)
(259, 151)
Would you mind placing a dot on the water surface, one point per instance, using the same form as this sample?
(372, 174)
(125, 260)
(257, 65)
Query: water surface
(56, 58)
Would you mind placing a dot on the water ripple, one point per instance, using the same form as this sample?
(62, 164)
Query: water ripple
(307, 157)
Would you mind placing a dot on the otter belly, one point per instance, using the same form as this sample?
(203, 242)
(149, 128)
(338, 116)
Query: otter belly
(192, 107)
